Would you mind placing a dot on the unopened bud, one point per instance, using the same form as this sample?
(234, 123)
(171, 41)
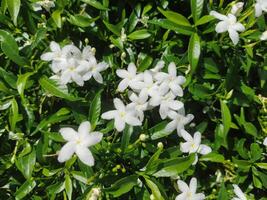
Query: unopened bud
(152, 197)
(142, 137)
(86, 40)
(160, 145)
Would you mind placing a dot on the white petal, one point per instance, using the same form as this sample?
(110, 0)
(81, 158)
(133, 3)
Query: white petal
(68, 134)
(221, 27)
(84, 129)
(176, 105)
(131, 120)
(239, 192)
(183, 187)
(132, 68)
(239, 27)
(258, 10)
(119, 105)
(109, 114)
(65, 78)
(196, 159)
(92, 138)
(66, 152)
(176, 89)
(123, 85)
(197, 138)
(54, 46)
(47, 56)
(85, 156)
(172, 69)
(185, 147)
(122, 73)
(98, 77)
(204, 149)
(186, 135)
(218, 15)
(171, 126)
(234, 36)
(161, 76)
(119, 124)
(199, 196)
(77, 79)
(193, 185)
(182, 196)
(163, 111)
(265, 141)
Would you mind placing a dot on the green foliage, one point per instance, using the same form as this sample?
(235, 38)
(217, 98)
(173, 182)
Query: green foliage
(226, 90)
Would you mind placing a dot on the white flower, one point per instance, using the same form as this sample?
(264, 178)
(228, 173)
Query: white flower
(260, 6)
(148, 85)
(265, 142)
(123, 114)
(94, 69)
(129, 77)
(179, 120)
(139, 104)
(166, 101)
(263, 36)
(171, 79)
(46, 4)
(237, 8)
(160, 64)
(72, 73)
(193, 144)
(78, 143)
(230, 24)
(238, 192)
(189, 193)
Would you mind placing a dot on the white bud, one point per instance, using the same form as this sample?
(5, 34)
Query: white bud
(160, 145)
(237, 8)
(142, 137)
(263, 36)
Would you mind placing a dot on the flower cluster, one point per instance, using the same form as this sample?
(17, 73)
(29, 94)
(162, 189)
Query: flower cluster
(230, 24)
(46, 4)
(69, 64)
(147, 90)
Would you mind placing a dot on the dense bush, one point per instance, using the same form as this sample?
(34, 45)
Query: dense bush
(96, 96)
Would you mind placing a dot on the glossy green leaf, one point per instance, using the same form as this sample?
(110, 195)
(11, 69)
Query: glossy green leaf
(194, 50)
(81, 20)
(56, 16)
(139, 35)
(95, 110)
(68, 186)
(126, 136)
(226, 117)
(14, 8)
(122, 186)
(25, 189)
(196, 8)
(95, 4)
(26, 164)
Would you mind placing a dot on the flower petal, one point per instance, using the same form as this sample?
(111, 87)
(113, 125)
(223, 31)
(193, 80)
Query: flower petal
(131, 120)
(66, 152)
(186, 135)
(109, 114)
(221, 27)
(218, 15)
(68, 134)
(234, 36)
(193, 185)
(119, 124)
(172, 69)
(122, 73)
(85, 156)
(98, 77)
(92, 138)
(204, 149)
(239, 192)
(54, 46)
(123, 85)
(183, 187)
(84, 129)
(132, 68)
(119, 105)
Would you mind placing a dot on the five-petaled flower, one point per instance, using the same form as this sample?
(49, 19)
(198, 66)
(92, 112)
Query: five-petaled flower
(228, 23)
(189, 192)
(122, 115)
(78, 143)
(193, 144)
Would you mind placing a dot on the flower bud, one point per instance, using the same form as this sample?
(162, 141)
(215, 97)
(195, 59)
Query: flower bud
(160, 145)
(263, 36)
(237, 8)
(152, 197)
(142, 137)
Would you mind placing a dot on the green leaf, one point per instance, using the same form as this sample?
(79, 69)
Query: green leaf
(122, 186)
(223, 195)
(21, 82)
(56, 16)
(262, 165)
(173, 167)
(81, 20)
(95, 110)
(59, 116)
(134, 17)
(68, 186)
(26, 164)
(139, 35)
(196, 8)
(255, 152)
(25, 189)
(194, 50)
(126, 136)
(226, 118)
(113, 28)
(175, 17)
(10, 48)
(167, 24)
(9, 78)
(154, 189)
(13, 114)
(213, 157)
(144, 61)
(95, 4)
(153, 160)
(13, 8)
(52, 88)
(205, 19)
(159, 131)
